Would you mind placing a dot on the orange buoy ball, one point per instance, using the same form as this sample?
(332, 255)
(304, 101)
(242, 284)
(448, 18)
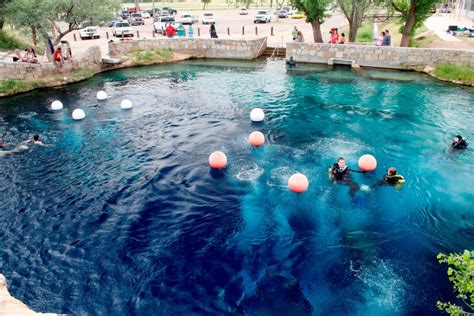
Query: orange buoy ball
(217, 160)
(367, 163)
(298, 183)
(256, 139)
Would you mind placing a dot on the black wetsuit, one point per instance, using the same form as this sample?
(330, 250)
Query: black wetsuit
(462, 144)
(389, 180)
(291, 63)
(344, 175)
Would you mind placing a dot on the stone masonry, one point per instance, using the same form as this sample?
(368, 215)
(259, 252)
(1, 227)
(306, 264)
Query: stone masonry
(381, 57)
(198, 47)
(91, 58)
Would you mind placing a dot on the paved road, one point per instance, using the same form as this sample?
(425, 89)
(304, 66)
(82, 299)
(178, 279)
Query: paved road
(225, 19)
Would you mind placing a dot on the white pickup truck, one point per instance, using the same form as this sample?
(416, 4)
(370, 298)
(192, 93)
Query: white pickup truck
(262, 17)
(122, 29)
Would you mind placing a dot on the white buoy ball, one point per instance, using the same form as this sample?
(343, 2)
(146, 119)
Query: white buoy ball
(56, 105)
(78, 114)
(101, 95)
(126, 104)
(257, 115)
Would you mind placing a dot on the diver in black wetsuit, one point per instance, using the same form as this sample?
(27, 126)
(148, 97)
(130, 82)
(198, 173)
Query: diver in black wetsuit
(459, 143)
(291, 63)
(341, 173)
(391, 178)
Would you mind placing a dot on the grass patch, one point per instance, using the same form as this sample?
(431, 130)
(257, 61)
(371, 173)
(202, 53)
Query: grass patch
(11, 42)
(151, 56)
(10, 86)
(82, 73)
(455, 73)
(365, 33)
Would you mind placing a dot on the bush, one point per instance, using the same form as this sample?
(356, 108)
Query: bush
(454, 72)
(461, 273)
(11, 86)
(9, 42)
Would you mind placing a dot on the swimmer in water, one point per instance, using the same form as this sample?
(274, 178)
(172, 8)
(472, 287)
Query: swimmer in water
(341, 173)
(392, 178)
(459, 143)
(24, 146)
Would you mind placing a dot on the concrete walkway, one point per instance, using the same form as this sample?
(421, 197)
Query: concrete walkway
(439, 25)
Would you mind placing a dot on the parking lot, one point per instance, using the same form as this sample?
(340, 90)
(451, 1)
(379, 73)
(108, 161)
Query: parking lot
(229, 24)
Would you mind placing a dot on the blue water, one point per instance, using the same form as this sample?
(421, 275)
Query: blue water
(124, 217)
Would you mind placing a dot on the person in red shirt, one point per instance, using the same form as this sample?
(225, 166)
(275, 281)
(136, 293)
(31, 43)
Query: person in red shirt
(58, 57)
(170, 30)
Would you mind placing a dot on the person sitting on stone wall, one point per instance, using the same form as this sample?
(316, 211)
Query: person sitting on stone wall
(30, 56)
(17, 56)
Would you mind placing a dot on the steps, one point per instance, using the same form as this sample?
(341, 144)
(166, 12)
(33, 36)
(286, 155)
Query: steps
(280, 52)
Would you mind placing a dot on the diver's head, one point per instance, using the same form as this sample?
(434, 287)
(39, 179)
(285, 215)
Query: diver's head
(458, 138)
(341, 162)
(36, 137)
(392, 171)
(291, 58)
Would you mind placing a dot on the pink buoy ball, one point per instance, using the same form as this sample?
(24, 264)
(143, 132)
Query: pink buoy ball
(256, 139)
(367, 163)
(298, 183)
(217, 160)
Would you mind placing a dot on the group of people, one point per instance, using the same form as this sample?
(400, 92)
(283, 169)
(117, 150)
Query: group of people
(337, 38)
(384, 39)
(171, 31)
(59, 57)
(341, 173)
(28, 57)
(31, 57)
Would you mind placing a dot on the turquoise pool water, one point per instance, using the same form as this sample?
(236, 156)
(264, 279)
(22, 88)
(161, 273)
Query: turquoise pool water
(123, 215)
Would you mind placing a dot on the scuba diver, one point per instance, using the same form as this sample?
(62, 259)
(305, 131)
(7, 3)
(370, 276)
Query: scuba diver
(459, 143)
(291, 63)
(391, 178)
(341, 173)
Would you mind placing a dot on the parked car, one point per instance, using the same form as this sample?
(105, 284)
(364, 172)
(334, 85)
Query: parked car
(262, 17)
(122, 29)
(89, 32)
(160, 25)
(145, 14)
(165, 13)
(170, 10)
(113, 22)
(208, 18)
(298, 15)
(289, 10)
(282, 14)
(243, 11)
(136, 19)
(186, 18)
(125, 15)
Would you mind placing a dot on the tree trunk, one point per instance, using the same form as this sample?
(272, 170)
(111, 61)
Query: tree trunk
(317, 36)
(204, 6)
(408, 28)
(34, 35)
(2, 21)
(353, 28)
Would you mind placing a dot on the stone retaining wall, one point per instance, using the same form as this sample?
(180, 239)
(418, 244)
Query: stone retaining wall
(197, 47)
(91, 59)
(381, 57)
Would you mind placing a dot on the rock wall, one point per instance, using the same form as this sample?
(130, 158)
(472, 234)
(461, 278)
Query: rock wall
(197, 47)
(91, 58)
(381, 57)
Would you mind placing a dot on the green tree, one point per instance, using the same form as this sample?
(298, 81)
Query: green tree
(354, 11)
(2, 14)
(413, 14)
(461, 274)
(315, 11)
(76, 13)
(26, 14)
(205, 3)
